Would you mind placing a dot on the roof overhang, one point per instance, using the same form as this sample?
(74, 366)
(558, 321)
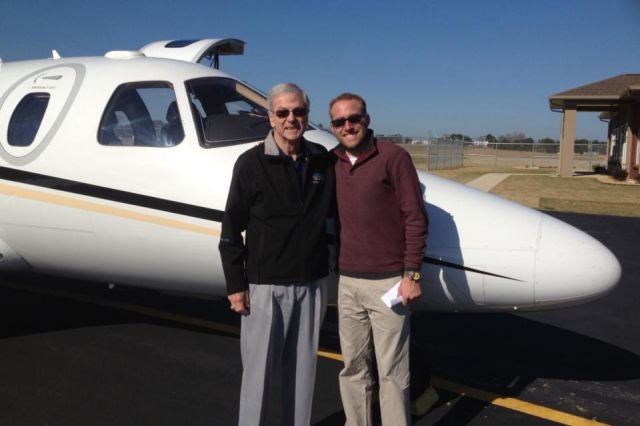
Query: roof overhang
(611, 94)
(595, 103)
(584, 104)
(592, 103)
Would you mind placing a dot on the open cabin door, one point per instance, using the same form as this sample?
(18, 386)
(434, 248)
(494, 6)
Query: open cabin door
(194, 50)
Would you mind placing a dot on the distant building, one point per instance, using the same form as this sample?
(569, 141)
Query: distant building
(618, 100)
(418, 141)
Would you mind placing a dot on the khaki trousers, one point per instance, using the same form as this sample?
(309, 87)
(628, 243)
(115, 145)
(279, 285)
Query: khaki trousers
(366, 322)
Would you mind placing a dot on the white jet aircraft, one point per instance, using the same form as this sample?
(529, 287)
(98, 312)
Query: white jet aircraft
(116, 169)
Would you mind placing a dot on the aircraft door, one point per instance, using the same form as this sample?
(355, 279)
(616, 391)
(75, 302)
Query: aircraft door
(33, 108)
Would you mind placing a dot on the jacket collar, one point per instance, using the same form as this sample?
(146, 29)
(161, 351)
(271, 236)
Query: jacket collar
(271, 147)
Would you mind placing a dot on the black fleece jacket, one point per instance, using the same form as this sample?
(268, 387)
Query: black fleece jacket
(286, 240)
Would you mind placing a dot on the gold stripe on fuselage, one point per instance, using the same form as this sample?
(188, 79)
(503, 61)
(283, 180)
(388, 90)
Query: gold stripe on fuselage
(95, 207)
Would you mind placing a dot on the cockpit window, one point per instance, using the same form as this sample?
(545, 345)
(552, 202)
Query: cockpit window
(227, 112)
(26, 119)
(142, 114)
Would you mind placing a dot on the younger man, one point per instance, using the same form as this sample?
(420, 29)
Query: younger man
(383, 226)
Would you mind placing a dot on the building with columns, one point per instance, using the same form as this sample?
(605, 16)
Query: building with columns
(618, 100)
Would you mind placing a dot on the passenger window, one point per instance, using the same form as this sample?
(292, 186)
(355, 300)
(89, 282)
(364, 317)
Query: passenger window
(142, 114)
(26, 119)
(227, 112)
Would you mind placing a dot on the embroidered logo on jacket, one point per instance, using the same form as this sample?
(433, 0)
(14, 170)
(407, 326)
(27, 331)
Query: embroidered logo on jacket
(317, 177)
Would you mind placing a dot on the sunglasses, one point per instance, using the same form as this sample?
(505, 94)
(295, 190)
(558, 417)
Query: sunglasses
(297, 112)
(353, 119)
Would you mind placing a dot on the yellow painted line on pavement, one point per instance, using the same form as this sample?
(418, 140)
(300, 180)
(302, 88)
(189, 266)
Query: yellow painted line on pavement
(513, 404)
(439, 383)
(330, 355)
(498, 400)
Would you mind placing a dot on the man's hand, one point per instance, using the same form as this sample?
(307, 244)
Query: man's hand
(240, 302)
(409, 290)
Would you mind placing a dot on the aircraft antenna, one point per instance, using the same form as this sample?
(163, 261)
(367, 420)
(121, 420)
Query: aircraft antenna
(55, 54)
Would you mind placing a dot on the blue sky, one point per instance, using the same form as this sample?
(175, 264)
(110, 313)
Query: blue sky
(425, 67)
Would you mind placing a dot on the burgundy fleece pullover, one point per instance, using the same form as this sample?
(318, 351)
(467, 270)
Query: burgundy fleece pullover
(383, 221)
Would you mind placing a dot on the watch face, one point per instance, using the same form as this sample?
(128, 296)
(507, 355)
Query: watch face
(414, 275)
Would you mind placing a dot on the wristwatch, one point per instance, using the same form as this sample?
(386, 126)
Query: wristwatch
(413, 275)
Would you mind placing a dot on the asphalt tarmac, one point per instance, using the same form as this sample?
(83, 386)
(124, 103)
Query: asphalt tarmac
(77, 353)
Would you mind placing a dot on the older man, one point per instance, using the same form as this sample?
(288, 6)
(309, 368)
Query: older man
(281, 193)
(382, 241)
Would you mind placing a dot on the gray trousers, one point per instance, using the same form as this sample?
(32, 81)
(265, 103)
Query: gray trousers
(279, 345)
(366, 323)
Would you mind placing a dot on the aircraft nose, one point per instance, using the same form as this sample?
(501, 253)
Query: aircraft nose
(571, 266)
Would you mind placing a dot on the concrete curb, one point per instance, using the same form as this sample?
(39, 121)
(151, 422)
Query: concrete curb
(488, 181)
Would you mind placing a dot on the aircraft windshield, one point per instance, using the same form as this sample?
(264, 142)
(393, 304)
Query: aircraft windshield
(227, 112)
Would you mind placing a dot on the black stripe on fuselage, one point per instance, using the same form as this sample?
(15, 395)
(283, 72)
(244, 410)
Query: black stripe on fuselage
(146, 201)
(434, 261)
(110, 194)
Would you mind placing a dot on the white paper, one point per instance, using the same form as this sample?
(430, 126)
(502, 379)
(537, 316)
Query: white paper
(391, 298)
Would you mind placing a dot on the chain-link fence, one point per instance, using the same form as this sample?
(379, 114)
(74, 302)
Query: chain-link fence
(446, 153)
(505, 154)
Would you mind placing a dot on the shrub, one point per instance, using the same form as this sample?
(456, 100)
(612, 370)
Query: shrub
(599, 169)
(611, 164)
(618, 173)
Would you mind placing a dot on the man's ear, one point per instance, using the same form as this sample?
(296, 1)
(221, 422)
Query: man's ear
(271, 119)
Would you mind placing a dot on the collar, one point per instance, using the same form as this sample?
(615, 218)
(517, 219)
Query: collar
(271, 148)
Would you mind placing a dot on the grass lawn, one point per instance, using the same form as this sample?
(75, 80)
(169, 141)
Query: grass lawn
(575, 194)
(541, 189)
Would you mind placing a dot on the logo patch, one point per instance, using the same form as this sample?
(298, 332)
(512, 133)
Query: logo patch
(317, 177)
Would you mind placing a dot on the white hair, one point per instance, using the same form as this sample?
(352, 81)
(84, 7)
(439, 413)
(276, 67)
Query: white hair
(283, 88)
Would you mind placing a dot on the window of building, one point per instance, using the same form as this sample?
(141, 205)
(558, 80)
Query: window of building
(26, 119)
(142, 114)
